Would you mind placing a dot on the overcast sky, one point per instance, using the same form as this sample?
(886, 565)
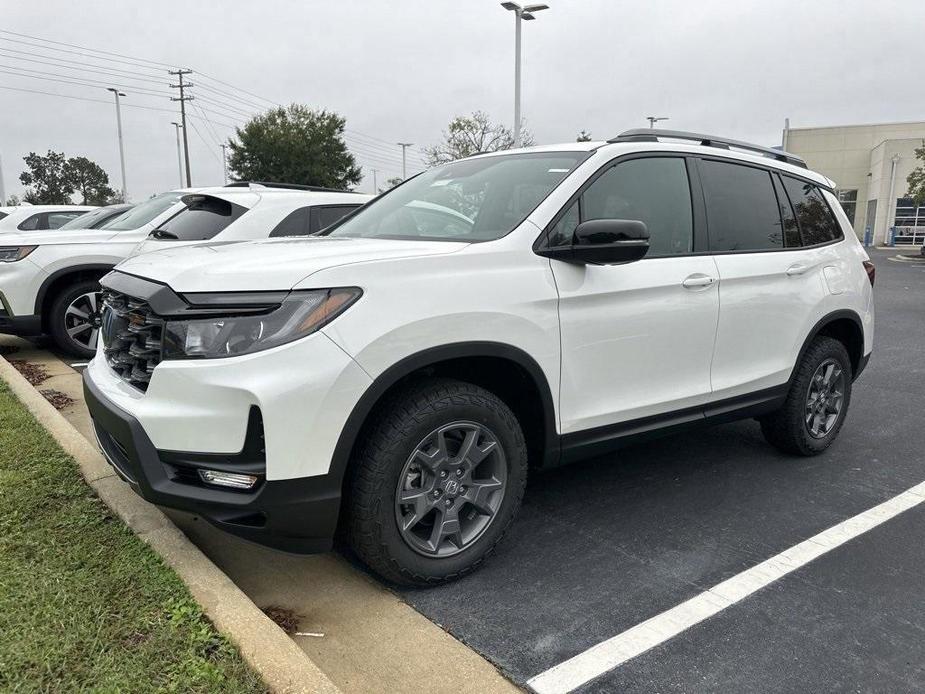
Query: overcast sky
(401, 70)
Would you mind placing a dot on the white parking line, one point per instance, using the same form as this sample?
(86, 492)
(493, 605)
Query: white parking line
(613, 652)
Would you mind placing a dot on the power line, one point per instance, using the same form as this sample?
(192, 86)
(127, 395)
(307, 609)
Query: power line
(75, 65)
(95, 50)
(64, 50)
(67, 79)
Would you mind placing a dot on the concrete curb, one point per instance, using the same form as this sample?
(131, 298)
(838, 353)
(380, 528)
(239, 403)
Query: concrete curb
(281, 664)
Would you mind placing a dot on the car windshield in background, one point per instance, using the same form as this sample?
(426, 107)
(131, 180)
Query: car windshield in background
(142, 214)
(90, 219)
(478, 199)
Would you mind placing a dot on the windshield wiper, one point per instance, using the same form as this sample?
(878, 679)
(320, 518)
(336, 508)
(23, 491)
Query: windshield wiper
(163, 234)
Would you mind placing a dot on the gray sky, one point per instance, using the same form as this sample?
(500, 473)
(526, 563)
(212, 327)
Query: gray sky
(401, 70)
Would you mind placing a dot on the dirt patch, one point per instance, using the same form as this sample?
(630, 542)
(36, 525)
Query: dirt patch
(287, 620)
(57, 399)
(34, 373)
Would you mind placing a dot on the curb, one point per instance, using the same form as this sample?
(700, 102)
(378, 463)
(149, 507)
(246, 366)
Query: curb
(281, 664)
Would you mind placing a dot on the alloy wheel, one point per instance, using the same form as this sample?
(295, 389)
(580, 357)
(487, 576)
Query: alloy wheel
(824, 398)
(83, 318)
(450, 489)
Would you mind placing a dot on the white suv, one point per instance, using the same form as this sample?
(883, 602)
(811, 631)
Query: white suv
(49, 281)
(397, 376)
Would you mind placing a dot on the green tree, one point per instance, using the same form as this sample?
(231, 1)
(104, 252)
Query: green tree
(468, 135)
(583, 136)
(13, 201)
(390, 183)
(916, 179)
(48, 179)
(89, 179)
(294, 145)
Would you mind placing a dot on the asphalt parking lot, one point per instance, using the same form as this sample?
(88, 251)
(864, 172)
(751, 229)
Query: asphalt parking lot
(604, 545)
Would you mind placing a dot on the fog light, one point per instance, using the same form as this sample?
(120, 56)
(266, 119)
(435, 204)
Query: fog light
(228, 479)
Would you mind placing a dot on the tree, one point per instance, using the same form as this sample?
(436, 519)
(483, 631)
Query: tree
(390, 183)
(48, 178)
(89, 179)
(583, 136)
(468, 135)
(916, 179)
(294, 145)
(13, 201)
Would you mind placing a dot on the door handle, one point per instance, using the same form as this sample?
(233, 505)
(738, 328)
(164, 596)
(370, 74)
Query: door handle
(697, 280)
(797, 270)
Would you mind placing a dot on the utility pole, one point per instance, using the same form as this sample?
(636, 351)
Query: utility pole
(2, 189)
(655, 119)
(404, 148)
(375, 185)
(117, 94)
(224, 165)
(177, 127)
(183, 99)
(525, 13)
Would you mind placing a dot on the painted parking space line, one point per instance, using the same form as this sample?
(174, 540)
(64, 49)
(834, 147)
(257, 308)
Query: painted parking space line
(610, 654)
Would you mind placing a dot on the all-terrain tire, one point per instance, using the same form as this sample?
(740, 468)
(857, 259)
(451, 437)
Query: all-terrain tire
(787, 428)
(398, 427)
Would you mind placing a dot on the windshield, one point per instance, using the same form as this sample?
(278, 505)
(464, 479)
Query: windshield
(90, 219)
(477, 199)
(141, 214)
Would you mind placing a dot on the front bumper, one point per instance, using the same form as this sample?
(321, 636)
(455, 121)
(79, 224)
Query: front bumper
(293, 515)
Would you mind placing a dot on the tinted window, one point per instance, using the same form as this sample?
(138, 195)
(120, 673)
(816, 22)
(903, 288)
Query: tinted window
(484, 198)
(56, 220)
(3, 214)
(95, 218)
(201, 220)
(817, 223)
(654, 191)
(295, 224)
(143, 213)
(742, 210)
(791, 230)
(30, 223)
(326, 215)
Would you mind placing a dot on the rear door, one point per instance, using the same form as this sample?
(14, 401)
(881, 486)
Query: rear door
(637, 338)
(770, 261)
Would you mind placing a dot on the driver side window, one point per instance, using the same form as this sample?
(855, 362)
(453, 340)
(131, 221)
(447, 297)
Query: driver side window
(654, 191)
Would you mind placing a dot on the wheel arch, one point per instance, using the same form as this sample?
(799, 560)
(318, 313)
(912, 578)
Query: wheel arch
(60, 278)
(535, 410)
(845, 326)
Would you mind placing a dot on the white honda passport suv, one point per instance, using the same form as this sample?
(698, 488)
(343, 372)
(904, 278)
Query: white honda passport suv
(397, 376)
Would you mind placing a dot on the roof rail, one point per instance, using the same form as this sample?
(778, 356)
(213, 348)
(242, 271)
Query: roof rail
(653, 135)
(288, 186)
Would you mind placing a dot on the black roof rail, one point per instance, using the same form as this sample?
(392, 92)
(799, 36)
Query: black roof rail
(653, 135)
(292, 186)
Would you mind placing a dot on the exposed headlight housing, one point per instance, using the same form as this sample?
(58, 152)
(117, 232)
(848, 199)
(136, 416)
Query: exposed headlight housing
(10, 254)
(298, 315)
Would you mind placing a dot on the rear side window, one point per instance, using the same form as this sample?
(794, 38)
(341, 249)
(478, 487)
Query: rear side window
(742, 210)
(31, 223)
(816, 220)
(201, 220)
(295, 224)
(324, 216)
(56, 220)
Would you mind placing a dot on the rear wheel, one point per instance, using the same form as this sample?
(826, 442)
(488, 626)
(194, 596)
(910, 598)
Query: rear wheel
(436, 482)
(75, 318)
(817, 402)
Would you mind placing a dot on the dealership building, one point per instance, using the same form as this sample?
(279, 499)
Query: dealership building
(869, 164)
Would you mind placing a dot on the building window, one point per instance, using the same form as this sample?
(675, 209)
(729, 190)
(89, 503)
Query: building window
(849, 202)
(909, 223)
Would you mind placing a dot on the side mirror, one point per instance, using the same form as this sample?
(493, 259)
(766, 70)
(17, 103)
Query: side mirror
(605, 242)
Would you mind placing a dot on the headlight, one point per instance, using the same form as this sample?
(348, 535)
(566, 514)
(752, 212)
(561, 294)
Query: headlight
(10, 254)
(298, 315)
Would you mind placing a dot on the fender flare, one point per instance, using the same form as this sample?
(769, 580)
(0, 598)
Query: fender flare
(72, 269)
(419, 360)
(817, 328)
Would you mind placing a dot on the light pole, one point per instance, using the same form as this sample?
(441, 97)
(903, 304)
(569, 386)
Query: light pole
(117, 94)
(526, 13)
(177, 126)
(655, 119)
(404, 148)
(224, 165)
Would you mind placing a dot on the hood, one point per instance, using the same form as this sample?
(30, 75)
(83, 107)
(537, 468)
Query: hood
(268, 265)
(48, 237)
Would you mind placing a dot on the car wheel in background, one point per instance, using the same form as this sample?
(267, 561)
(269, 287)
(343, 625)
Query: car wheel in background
(74, 321)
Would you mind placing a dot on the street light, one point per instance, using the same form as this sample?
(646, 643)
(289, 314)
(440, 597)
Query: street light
(525, 12)
(655, 119)
(177, 126)
(117, 94)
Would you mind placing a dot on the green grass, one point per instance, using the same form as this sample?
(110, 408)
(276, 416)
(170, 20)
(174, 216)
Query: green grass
(84, 604)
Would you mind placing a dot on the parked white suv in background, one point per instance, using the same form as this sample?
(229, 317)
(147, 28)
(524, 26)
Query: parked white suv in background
(400, 373)
(49, 281)
(39, 217)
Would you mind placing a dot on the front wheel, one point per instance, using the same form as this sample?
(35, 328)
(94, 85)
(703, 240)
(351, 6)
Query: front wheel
(437, 481)
(75, 318)
(816, 405)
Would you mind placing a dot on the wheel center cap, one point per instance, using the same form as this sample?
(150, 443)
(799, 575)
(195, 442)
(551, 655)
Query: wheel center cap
(451, 487)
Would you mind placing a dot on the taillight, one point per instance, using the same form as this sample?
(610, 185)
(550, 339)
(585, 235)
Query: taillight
(871, 271)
